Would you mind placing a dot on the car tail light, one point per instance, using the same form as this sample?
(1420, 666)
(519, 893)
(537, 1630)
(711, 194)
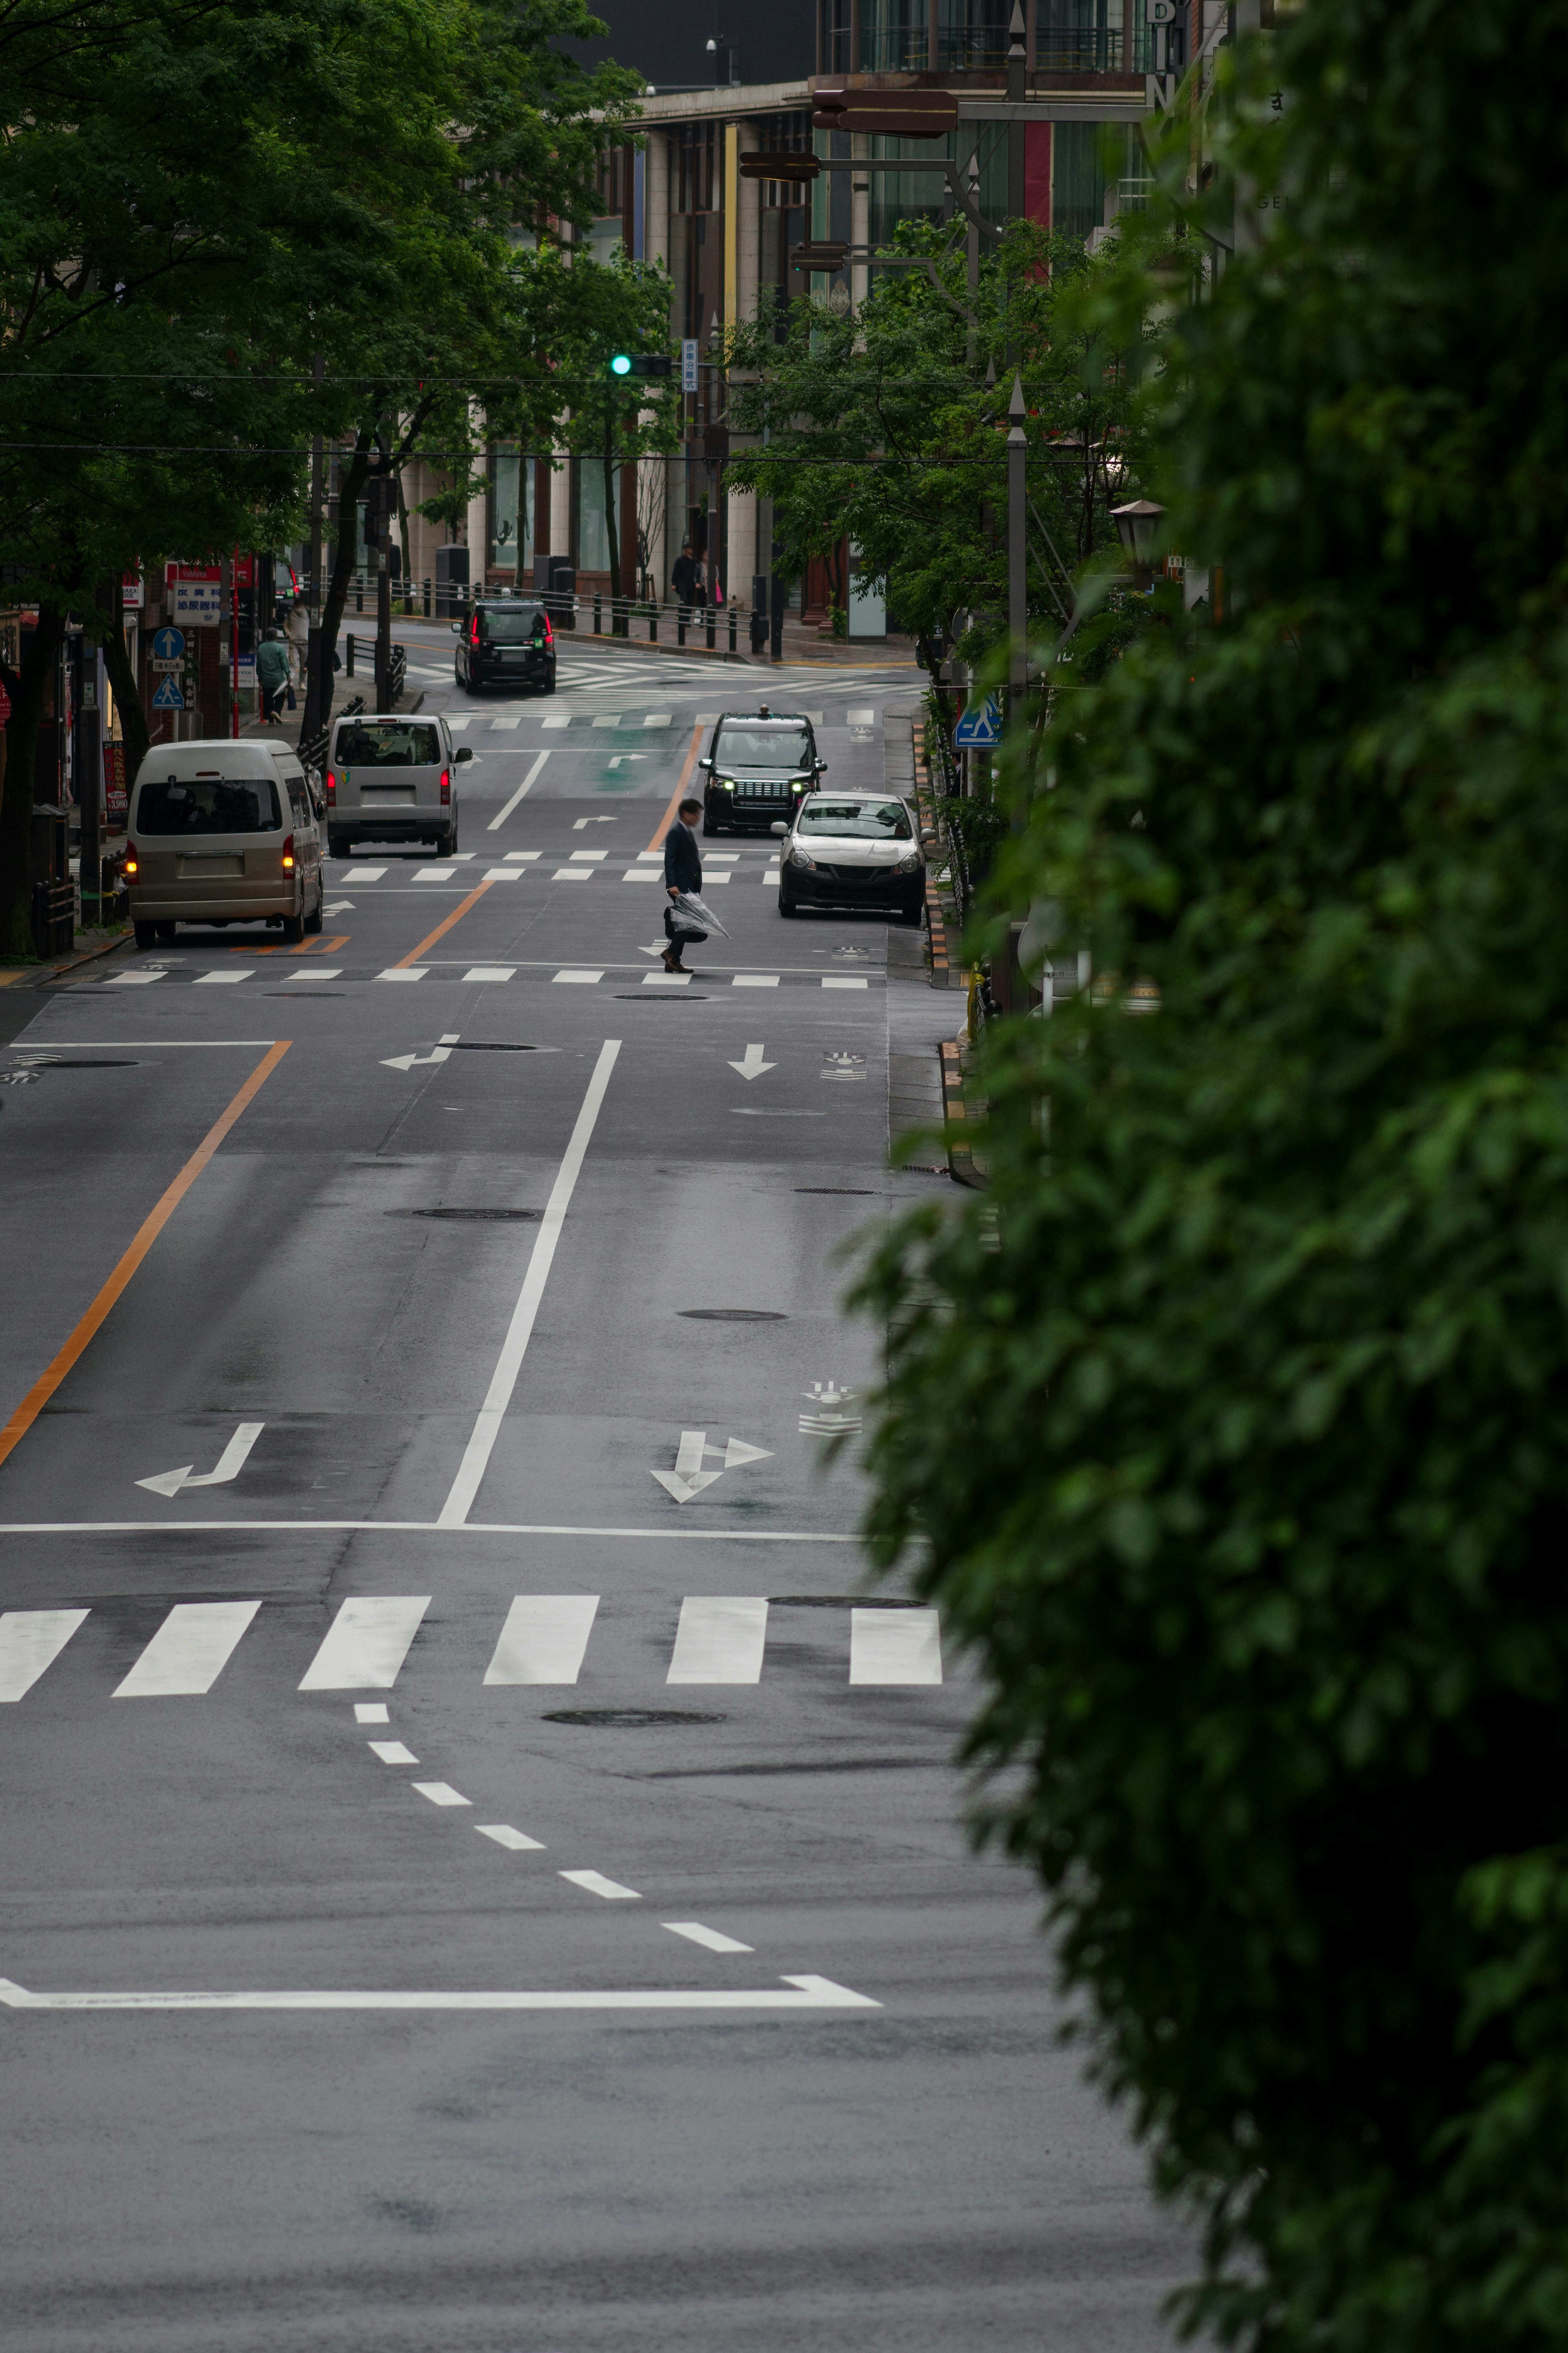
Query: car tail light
(548, 632)
(474, 632)
(446, 789)
(332, 790)
(132, 862)
(289, 854)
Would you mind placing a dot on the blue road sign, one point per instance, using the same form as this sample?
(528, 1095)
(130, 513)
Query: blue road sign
(979, 728)
(168, 645)
(168, 696)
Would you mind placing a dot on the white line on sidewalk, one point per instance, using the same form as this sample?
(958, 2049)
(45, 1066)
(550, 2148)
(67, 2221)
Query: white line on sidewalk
(498, 1397)
(496, 822)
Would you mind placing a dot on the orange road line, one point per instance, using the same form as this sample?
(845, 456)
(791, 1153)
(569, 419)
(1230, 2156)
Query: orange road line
(667, 819)
(323, 947)
(459, 911)
(7, 978)
(147, 1233)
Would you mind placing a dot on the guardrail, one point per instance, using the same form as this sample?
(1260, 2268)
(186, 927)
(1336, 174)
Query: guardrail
(313, 750)
(715, 626)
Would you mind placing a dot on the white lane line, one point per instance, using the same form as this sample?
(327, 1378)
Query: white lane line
(513, 1841)
(366, 1644)
(498, 1397)
(543, 1640)
(392, 1752)
(404, 972)
(370, 1711)
(596, 1883)
(189, 1651)
(832, 980)
(30, 1640)
(895, 1646)
(441, 1793)
(571, 978)
(490, 972)
(496, 822)
(710, 1938)
(806, 1993)
(755, 980)
(686, 1533)
(720, 1639)
(216, 979)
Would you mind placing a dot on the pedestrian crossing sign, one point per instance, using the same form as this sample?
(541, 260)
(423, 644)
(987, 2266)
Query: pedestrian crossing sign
(979, 726)
(168, 696)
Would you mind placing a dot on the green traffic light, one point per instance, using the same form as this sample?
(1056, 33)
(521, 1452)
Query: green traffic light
(621, 364)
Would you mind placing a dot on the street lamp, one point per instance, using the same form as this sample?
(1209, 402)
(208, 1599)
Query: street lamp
(1137, 527)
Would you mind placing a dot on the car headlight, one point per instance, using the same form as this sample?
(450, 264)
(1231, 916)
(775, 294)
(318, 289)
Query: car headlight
(907, 865)
(725, 784)
(797, 856)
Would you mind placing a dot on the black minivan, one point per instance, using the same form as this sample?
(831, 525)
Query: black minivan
(760, 766)
(505, 641)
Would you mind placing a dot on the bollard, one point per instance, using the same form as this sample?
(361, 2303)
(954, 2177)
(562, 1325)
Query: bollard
(349, 664)
(732, 629)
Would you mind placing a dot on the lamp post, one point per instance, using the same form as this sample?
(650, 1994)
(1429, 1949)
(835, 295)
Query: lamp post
(1138, 528)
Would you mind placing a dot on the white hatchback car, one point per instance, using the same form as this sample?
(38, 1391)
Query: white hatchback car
(853, 849)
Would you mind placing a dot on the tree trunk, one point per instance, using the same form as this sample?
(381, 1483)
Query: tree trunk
(127, 699)
(29, 691)
(355, 476)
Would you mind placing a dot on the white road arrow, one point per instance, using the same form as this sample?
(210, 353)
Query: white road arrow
(409, 1062)
(657, 948)
(338, 907)
(689, 1478)
(754, 1066)
(628, 755)
(229, 1465)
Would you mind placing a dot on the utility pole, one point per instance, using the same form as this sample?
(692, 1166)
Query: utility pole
(318, 688)
(1017, 557)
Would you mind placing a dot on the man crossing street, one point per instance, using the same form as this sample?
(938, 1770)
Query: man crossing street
(682, 871)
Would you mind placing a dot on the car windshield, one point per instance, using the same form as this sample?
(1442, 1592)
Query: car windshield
(388, 744)
(514, 626)
(865, 820)
(207, 805)
(763, 747)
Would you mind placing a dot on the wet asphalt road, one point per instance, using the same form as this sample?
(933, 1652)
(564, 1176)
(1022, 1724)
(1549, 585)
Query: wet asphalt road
(514, 1653)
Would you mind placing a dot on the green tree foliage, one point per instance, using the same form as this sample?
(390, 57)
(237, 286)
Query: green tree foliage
(880, 426)
(1233, 1431)
(196, 201)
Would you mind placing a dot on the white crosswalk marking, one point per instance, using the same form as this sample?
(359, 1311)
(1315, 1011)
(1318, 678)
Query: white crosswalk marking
(833, 980)
(720, 1639)
(366, 1644)
(597, 1885)
(753, 980)
(30, 1640)
(543, 1640)
(189, 1651)
(513, 1841)
(497, 724)
(245, 972)
(660, 718)
(708, 1937)
(365, 873)
(573, 874)
(582, 978)
(404, 972)
(392, 1752)
(895, 1646)
(441, 1793)
(490, 972)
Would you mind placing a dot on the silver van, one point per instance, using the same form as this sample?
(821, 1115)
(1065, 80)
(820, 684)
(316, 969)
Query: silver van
(222, 832)
(392, 780)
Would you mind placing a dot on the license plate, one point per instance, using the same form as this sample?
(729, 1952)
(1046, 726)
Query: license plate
(209, 870)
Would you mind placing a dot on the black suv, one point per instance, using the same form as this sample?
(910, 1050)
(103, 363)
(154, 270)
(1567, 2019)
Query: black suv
(505, 641)
(759, 768)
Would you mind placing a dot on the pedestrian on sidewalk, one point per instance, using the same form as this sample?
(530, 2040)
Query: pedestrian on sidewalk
(298, 628)
(271, 675)
(682, 871)
(686, 579)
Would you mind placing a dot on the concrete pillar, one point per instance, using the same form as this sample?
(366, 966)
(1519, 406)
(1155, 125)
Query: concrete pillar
(748, 245)
(656, 225)
(479, 546)
(654, 482)
(561, 507)
(859, 217)
(742, 545)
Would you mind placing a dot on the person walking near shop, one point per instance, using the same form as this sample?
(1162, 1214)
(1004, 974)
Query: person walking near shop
(271, 675)
(682, 871)
(686, 579)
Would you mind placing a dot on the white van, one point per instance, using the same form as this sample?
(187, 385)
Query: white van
(221, 832)
(391, 779)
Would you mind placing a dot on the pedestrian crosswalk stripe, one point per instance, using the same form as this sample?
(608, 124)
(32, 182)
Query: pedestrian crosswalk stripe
(659, 718)
(585, 977)
(895, 1646)
(404, 972)
(490, 972)
(833, 980)
(242, 972)
(366, 1644)
(30, 1640)
(543, 1640)
(441, 1793)
(595, 1883)
(189, 1651)
(720, 1639)
(497, 724)
(392, 1752)
(514, 1840)
(642, 874)
(571, 874)
(363, 873)
(753, 980)
(710, 1938)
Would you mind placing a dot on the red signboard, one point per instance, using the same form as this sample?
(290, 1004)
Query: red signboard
(114, 779)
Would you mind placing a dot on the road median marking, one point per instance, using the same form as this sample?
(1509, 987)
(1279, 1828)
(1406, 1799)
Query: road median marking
(146, 1234)
(677, 796)
(459, 911)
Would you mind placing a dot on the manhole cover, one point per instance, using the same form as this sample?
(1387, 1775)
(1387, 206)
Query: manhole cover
(491, 1217)
(731, 1315)
(61, 1062)
(850, 1192)
(635, 997)
(305, 996)
(499, 1046)
(629, 1719)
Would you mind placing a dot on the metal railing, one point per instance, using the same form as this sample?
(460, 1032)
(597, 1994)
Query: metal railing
(313, 749)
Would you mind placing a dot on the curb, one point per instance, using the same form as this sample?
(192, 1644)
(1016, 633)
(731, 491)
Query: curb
(960, 1157)
(87, 955)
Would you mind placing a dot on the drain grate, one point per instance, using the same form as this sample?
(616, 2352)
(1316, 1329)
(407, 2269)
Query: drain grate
(488, 1217)
(731, 1315)
(629, 1719)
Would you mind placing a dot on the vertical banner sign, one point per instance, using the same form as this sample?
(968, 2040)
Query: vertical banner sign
(688, 365)
(114, 779)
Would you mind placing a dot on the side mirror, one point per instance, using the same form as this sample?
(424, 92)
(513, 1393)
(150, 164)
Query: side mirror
(705, 761)
(780, 829)
(456, 629)
(819, 767)
(463, 751)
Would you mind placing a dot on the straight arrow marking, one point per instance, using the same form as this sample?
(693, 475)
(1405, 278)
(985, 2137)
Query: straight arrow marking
(754, 1066)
